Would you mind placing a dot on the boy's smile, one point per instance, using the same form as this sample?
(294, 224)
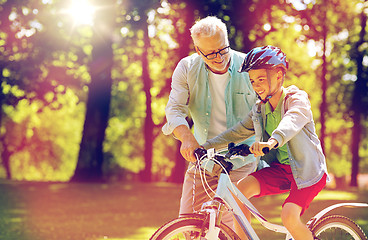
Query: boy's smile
(258, 79)
(260, 84)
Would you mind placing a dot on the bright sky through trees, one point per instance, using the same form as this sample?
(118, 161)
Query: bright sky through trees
(82, 11)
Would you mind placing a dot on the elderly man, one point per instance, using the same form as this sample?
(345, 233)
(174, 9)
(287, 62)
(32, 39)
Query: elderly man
(208, 87)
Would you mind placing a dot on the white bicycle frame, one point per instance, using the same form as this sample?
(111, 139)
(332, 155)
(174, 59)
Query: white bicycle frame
(225, 189)
(224, 194)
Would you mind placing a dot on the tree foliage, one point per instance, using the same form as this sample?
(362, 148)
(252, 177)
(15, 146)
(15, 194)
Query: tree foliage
(39, 71)
(46, 79)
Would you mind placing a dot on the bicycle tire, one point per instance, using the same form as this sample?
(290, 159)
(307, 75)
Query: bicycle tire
(337, 227)
(189, 228)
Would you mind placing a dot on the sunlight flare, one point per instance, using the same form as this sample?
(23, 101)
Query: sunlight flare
(82, 12)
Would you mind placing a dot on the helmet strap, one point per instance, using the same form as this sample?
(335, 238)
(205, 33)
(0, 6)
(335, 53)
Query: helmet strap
(270, 93)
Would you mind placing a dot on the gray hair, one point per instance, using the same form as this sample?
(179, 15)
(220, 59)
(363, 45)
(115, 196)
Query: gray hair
(208, 27)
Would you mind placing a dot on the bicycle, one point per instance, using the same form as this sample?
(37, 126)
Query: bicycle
(206, 224)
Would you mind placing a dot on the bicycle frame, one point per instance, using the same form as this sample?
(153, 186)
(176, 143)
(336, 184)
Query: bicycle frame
(323, 212)
(224, 194)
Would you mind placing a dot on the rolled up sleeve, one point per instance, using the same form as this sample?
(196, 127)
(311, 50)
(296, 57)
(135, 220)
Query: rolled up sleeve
(298, 114)
(177, 107)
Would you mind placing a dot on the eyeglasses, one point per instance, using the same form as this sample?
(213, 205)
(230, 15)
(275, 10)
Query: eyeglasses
(211, 56)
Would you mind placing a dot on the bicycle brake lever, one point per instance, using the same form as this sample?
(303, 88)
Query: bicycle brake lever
(242, 149)
(265, 150)
(200, 152)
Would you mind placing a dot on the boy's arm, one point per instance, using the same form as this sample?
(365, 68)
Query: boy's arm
(257, 147)
(297, 115)
(239, 132)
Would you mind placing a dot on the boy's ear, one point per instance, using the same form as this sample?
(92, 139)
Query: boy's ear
(280, 74)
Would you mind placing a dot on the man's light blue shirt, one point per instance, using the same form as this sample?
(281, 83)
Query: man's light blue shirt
(190, 95)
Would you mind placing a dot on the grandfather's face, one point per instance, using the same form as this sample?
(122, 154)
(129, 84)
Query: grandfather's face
(208, 45)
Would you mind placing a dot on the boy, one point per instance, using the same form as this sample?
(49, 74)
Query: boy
(282, 121)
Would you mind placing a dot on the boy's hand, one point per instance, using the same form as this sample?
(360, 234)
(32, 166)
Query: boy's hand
(257, 147)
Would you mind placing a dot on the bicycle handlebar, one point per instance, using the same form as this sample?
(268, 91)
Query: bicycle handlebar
(200, 152)
(221, 159)
(242, 150)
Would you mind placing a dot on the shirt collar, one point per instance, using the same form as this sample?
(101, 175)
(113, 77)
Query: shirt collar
(268, 108)
(231, 64)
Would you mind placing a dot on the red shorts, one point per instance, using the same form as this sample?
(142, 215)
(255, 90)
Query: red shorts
(278, 178)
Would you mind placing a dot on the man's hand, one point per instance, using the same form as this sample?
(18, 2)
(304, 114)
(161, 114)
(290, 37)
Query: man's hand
(257, 147)
(187, 149)
(188, 142)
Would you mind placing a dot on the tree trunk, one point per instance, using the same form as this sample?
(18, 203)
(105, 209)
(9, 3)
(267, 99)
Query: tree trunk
(5, 157)
(146, 173)
(89, 166)
(358, 111)
(323, 106)
(184, 39)
(355, 143)
(243, 21)
(177, 173)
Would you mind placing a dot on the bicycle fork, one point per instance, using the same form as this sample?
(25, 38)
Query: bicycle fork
(214, 210)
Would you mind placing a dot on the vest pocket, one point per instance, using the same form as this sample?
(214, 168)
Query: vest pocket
(242, 105)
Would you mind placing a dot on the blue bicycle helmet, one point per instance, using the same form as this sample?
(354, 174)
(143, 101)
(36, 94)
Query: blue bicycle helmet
(264, 57)
(267, 57)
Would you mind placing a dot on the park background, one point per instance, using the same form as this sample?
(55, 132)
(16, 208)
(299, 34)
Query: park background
(84, 85)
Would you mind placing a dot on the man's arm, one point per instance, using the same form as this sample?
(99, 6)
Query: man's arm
(188, 142)
(177, 107)
(177, 110)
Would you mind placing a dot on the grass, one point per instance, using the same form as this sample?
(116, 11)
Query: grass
(122, 211)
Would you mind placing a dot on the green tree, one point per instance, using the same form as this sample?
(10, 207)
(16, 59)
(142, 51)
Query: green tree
(359, 105)
(90, 160)
(336, 39)
(141, 63)
(34, 74)
(322, 21)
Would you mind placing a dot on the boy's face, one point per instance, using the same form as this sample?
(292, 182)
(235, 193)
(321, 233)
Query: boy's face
(258, 79)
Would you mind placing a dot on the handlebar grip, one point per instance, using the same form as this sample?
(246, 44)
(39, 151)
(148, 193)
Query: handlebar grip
(245, 150)
(265, 150)
(242, 149)
(200, 152)
(230, 145)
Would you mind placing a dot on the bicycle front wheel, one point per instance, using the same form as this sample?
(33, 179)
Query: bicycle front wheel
(190, 228)
(338, 228)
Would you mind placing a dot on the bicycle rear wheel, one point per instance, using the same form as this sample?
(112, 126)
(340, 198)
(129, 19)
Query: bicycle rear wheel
(338, 228)
(189, 228)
